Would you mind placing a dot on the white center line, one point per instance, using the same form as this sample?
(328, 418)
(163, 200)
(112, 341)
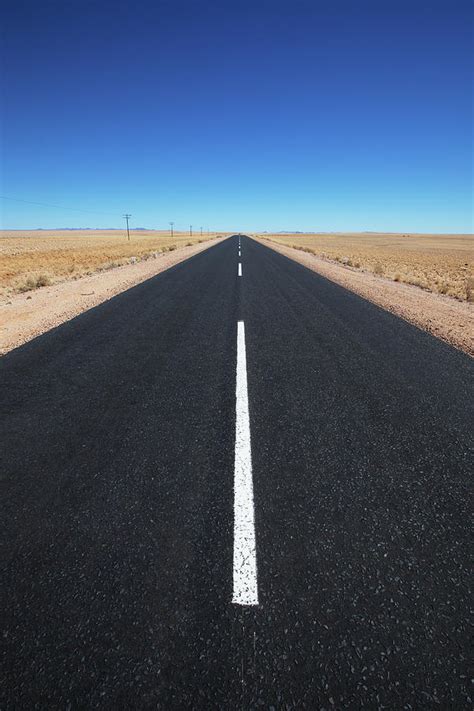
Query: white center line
(240, 269)
(245, 590)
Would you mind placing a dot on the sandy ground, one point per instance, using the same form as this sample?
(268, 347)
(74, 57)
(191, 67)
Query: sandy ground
(25, 316)
(442, 316)
(441, 263)
(53, 256)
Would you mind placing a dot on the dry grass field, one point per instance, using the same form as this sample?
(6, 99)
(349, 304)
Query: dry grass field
(439, 263)
(31, 259)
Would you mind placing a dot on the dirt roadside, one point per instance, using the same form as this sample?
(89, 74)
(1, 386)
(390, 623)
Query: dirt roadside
(25, 316)
(442, 316)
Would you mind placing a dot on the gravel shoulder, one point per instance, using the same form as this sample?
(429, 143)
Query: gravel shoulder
(442, 316)
(25, 316)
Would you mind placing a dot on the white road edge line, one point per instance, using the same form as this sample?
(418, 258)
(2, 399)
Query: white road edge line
(240, 269)
(245, 591)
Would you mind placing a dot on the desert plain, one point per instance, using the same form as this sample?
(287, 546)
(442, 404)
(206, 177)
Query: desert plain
(49, 276)
(30, 259)
(441, 263)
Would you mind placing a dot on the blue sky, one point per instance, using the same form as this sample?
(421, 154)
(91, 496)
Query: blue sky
(296, 115)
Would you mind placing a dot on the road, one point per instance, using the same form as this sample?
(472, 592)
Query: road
(142, 454)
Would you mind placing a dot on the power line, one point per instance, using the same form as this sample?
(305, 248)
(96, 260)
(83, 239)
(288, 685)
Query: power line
(58, 207)
(77, 209)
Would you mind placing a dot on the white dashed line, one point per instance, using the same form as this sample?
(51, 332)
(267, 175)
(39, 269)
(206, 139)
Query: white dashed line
(245, 591)
(240, 269)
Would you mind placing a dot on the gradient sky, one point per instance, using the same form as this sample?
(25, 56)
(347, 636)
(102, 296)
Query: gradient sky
(296, 115)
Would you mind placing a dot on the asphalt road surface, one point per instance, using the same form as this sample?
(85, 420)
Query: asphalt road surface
(189, 525)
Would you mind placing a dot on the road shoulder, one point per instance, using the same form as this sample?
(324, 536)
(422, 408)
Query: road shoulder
(25, 316)
(442, 316)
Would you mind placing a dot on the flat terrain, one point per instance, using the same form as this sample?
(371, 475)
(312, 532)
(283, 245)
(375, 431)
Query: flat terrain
(118, 461)
(442, 264)
(445, 317)
(24, 316)
(30, 259)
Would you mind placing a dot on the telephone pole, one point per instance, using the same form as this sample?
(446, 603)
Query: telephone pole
(201, 231)
(190, 230)
(171, 230)
(127, 217)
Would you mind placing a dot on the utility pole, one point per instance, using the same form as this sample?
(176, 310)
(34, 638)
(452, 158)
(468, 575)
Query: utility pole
(171, 231)
(127, 217)
(190, 230)
(201, 231)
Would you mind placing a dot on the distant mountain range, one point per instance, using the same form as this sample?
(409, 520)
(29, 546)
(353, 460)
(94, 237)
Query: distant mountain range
(82, 229)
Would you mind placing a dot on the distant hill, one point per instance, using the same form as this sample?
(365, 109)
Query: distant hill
(82, 229)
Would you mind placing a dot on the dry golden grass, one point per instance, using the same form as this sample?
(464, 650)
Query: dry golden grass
(31, 259)
(439, 263)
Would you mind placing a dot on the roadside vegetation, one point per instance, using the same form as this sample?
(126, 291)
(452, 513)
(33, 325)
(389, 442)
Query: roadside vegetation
(34, 259)
(441, 264)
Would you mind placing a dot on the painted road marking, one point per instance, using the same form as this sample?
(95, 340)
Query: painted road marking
(245, 556)
(240, 269)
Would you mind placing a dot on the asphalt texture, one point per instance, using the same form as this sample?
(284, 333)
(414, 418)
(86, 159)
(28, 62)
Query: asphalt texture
(117, 434)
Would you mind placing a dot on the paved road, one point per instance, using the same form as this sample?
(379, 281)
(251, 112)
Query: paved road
(118, 436)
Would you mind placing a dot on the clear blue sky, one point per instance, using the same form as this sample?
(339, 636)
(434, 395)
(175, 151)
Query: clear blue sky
(298, 115)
